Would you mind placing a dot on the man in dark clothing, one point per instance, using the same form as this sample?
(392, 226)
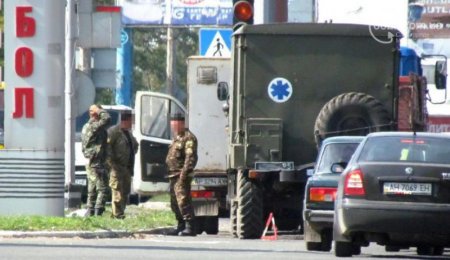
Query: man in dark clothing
(121, 150)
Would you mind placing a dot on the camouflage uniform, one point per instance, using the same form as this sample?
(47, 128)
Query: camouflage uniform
(182, 157)
(94, 141)
(121, 161)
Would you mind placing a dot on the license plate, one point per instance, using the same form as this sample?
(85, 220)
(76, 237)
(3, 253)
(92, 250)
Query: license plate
(80, 182)
(402, 188)
(213, 181)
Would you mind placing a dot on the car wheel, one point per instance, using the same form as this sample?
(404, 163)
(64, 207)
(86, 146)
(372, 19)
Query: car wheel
(424, 250)
(314, 246)
(356, 250)
(211, 225)
(199, 224)
(327, 240)
(438, 250)
(392, 248)
(351, 114)
(343, 249)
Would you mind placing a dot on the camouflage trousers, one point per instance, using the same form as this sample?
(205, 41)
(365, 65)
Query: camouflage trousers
(120, 183)
(180, 198)
(97, 185)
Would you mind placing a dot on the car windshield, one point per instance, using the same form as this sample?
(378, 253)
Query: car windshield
(335, 153)
(409, 149)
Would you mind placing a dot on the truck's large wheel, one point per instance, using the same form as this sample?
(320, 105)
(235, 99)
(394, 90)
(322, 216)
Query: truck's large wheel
(250, 209)
(351, 114)
(233, 218)
(211, 225)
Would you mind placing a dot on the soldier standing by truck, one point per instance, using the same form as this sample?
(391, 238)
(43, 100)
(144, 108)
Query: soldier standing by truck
(94, 142)
(121, 150)
(181, 160)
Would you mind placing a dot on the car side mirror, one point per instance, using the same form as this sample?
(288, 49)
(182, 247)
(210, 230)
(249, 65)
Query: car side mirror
(440, 74)
(309, 172)
(338, 167)
(222, 91)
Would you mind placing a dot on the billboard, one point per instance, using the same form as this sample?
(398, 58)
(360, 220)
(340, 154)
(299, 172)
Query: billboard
(429, 19)
(177, 12)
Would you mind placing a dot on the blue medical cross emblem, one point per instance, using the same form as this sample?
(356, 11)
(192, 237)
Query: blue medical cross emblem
(279, 90)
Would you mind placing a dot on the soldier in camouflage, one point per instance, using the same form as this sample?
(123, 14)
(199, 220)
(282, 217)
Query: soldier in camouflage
(121, 149)
(94, 141)
(181, 160)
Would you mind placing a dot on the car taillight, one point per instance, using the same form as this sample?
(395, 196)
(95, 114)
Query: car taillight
(202, 194)
(322, 194)
(353, 185)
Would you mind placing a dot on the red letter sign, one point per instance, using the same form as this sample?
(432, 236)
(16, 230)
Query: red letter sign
(19, 95)
(25, 26)
(24, 62)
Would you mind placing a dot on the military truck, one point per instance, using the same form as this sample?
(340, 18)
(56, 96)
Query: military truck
(294, 85)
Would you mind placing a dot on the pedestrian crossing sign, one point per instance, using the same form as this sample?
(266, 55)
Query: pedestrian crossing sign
(215, 42)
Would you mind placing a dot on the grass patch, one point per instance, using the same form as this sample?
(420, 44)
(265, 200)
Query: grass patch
(160, 197)
(136, 219)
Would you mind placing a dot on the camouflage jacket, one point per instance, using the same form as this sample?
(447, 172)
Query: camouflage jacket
(94, 139)
(182, 155)
(120, 152)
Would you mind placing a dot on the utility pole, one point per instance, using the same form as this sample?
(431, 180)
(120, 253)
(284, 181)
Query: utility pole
(69, 147)
(269, 11)
(170, 61)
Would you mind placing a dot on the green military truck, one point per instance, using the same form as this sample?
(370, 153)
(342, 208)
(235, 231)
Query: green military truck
(292, 86)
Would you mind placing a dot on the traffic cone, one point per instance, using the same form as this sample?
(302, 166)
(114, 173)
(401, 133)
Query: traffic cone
(270, 221)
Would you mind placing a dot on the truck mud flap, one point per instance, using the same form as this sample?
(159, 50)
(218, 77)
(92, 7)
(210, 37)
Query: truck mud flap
(292, 176)
(204, 207)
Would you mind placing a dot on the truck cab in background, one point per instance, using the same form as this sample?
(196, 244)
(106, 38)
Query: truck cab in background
(205, 118)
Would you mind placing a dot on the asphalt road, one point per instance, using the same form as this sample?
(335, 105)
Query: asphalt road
(153, 246)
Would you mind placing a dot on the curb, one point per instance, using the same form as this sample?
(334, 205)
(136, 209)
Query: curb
(83, 234)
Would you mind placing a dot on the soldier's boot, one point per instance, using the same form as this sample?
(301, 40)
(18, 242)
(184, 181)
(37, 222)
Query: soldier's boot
(180, 227)
(99, 211)
(90, 212)
(189, 230)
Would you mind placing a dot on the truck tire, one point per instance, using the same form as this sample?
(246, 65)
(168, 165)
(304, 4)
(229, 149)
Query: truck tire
(211, 225)
(250, 209)
(233, 218)
(351, 114)
(199, 223)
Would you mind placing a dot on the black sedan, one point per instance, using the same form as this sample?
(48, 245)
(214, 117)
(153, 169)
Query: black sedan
(395, 191)
(321, 187)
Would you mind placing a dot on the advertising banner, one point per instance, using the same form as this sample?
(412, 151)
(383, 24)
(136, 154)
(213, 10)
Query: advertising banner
(429, 19)
(177, 12)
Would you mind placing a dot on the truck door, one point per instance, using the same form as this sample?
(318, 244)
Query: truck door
(152, 130)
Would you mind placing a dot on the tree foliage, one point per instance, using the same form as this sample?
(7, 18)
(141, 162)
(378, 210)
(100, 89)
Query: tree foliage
(150, 50)
(149, 61)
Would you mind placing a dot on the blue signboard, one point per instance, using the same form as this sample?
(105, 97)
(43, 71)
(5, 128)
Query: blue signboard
(215, 42)
(177, 12)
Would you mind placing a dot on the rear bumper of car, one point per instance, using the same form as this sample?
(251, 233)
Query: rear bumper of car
(411, 221)
(316, 221)
(324, 217)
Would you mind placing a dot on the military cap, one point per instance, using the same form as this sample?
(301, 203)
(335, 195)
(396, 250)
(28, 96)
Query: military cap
(125, 114)
(177, 117)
